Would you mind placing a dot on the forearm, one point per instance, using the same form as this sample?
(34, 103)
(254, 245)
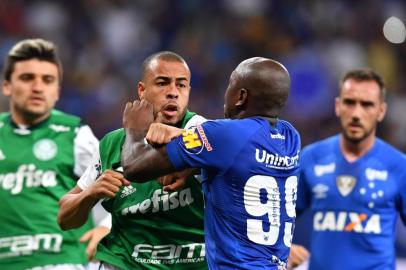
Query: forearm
(133, 149)
(74, 209)
(142, 162)
(134, 159)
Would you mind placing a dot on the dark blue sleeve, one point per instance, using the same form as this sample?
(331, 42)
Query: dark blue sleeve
(303, 191)
(401, 199)
(212, 145)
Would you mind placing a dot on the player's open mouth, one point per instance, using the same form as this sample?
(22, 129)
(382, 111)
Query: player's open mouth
(170, 110)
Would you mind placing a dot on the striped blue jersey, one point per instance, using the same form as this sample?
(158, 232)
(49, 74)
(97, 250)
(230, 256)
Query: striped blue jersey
(250, 177)
(354, 205)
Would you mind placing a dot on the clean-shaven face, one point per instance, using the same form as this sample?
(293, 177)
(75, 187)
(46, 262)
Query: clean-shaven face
(33, 88)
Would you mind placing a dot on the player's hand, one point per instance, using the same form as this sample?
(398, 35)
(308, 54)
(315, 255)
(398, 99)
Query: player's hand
(175, 181)
(93, 238)
(107, 185)
(298, 255)
(159, 134)
(138, 116)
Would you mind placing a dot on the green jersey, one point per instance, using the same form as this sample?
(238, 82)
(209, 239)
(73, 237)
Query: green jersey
(151, 229)
(38, 165)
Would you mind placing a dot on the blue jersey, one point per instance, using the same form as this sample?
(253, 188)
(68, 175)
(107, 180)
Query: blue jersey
(354, 205)
(250, 177)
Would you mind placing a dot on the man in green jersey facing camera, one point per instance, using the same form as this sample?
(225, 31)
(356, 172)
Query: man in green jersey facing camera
(42, 153)
(151, 228)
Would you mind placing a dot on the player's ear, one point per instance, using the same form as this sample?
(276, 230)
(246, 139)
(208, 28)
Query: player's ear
(58, 94)
(242, 97)
(6, 88)
(382, 111)
(337, 106)
(141, 89)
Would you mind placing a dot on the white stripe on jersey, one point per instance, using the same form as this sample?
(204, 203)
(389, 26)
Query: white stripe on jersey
(85, 145)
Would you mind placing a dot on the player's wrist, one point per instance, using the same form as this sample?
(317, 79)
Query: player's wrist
(90, 196)
(135, 135)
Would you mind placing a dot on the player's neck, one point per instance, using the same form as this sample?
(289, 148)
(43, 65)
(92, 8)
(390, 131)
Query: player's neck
(352, 151)
(272, 119)
(27, 120)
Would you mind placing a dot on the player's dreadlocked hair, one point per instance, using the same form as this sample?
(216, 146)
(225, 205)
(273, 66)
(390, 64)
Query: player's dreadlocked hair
(28, 49)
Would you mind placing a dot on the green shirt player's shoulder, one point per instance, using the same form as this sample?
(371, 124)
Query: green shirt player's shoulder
(113, 138)
(56, 118)
(3, 117)
(61, 118)
(110, 148)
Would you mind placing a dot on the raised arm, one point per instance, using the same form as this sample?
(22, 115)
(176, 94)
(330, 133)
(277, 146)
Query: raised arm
(142, 162)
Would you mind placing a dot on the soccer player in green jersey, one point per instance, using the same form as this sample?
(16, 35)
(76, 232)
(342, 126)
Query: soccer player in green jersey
(151, 228)
(42, 153)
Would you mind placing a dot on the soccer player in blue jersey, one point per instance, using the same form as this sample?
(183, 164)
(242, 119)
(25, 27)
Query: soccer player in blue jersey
(354, 183)
(249, 167)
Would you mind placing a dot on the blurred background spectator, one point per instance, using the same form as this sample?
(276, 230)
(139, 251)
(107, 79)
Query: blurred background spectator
(102, 43)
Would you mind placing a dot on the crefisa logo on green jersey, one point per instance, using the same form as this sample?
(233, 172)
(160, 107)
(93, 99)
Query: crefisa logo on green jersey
(161, 201)
(45, 149)
(27, 176)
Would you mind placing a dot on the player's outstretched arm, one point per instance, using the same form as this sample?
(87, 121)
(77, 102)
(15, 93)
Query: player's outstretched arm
(75, 206)
(160, 134)
(142, 162)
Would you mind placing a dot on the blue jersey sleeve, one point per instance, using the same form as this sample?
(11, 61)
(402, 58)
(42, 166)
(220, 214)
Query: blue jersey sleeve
(401, 200)
(303, 191)
(212, 145)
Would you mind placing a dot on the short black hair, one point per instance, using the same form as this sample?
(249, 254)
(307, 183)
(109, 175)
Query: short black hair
(365, 74)
(28, 49)
(162, 55)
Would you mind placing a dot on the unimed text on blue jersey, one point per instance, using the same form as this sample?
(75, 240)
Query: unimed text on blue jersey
(250, 177)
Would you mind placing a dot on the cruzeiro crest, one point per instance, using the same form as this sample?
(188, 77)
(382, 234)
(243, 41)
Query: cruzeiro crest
(345, 184)
(45, 149)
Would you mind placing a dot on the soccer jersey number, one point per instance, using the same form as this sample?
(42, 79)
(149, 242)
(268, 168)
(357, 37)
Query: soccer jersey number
(269, 204)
